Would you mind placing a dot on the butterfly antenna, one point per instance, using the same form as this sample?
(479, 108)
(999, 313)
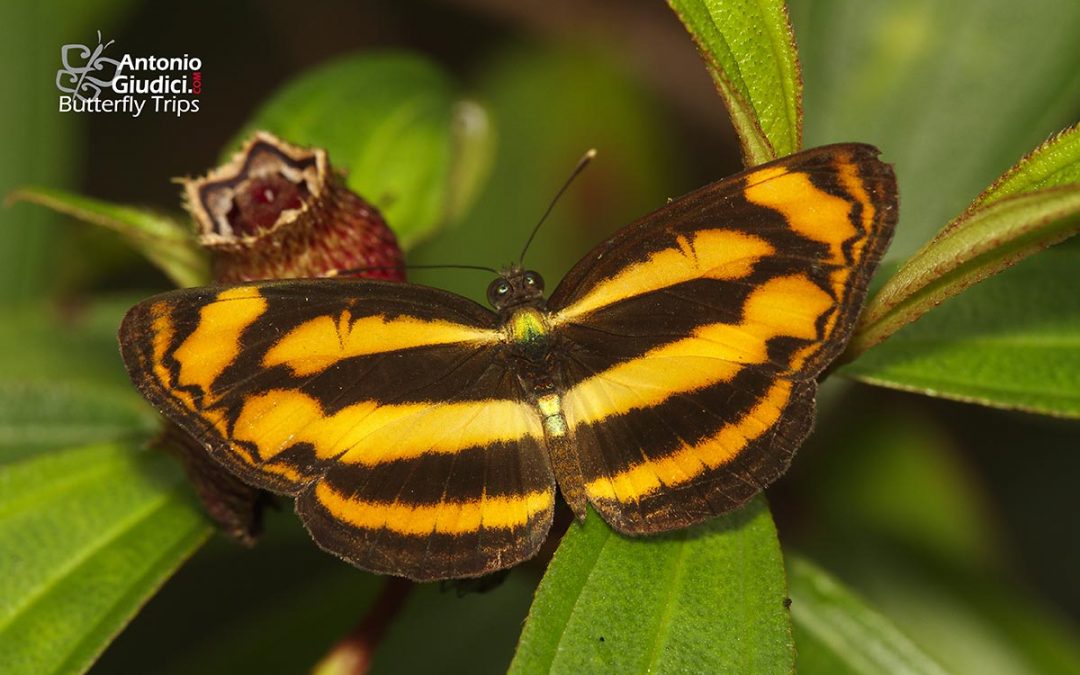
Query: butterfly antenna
(381, 268)
(452, 267)
(582, 163)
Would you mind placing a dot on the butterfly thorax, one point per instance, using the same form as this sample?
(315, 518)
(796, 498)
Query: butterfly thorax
(529, 334)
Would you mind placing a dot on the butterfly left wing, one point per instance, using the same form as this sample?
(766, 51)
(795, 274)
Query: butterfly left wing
(384, 408)
(692, 339)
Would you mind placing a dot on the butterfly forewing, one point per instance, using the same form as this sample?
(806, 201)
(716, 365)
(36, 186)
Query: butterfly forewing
(693, 337)
(383, 407)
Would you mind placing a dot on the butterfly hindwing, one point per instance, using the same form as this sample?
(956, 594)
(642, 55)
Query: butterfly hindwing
(383, 408)
(692, 339)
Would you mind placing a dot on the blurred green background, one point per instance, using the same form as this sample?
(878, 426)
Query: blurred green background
(960, 522)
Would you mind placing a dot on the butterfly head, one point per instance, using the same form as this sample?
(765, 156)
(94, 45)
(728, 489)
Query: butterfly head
(515, 287)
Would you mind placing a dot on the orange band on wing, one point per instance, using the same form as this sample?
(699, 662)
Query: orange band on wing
(685, 464)
(708, 254)
(215, 343)
(785, 306)
(449, 517)
(314, 346)
(369, 433)
(812, 213)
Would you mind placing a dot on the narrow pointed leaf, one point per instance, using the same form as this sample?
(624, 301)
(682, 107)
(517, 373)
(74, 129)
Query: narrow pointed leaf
(1054, 163)
(750, 52)
(1033, 205)
(1012, 341)
(966, 619)
(837, 633)
(708, 599)
(1013, 344)
(933, 564)
(167, 243)
(980, 244)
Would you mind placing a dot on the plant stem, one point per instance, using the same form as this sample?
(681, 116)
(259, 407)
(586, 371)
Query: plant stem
(353, 654)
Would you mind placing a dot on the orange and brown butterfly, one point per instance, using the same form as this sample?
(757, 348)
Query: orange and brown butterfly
(668, 378)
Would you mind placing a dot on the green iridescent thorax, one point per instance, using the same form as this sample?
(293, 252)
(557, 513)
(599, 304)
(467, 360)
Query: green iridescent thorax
(527, 326)
(528, 330)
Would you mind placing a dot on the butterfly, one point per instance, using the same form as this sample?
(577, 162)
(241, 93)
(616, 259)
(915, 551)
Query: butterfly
(668, 378)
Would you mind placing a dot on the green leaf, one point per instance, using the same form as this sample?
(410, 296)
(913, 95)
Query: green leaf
(474, 143)
(750, 51)
(896, 512)
(1031, 207)
(40, 145)
(62, 383)
(44, 415)
(967, 620)
(275, 608)
(71, 343)
(165, 242)
(974, 247)
(88, 534)
(924, 81)
(1054, 163)
(41, 343)
(836, 633)
(1012, 341)
(706, 599)
(399, 128)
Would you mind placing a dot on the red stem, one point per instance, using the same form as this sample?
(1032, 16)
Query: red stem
(354, 653)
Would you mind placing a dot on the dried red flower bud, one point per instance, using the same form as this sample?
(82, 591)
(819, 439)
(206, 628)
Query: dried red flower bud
(277, 211)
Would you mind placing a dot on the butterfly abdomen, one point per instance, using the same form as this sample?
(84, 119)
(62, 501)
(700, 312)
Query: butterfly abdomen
(562, 451)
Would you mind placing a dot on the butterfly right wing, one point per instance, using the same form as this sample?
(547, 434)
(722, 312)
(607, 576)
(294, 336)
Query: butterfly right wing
(384, 408)
(692, 338)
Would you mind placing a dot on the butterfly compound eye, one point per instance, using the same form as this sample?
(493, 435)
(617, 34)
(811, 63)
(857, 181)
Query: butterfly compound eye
(534, 281)
(498, 291)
